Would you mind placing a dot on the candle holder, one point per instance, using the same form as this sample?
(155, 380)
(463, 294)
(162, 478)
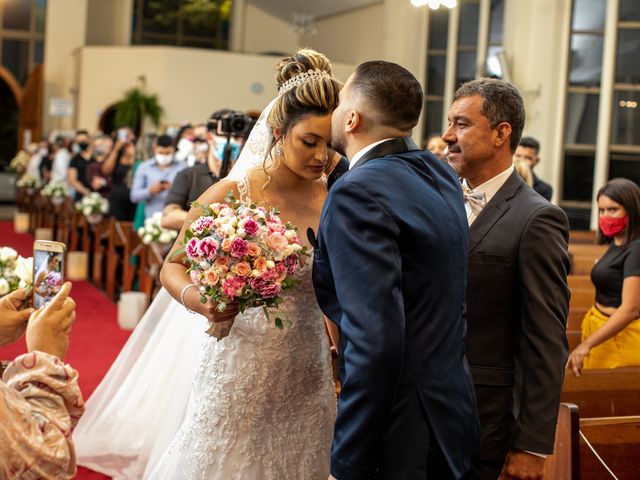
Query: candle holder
(77, 266)
(131, 308)
(21, 222)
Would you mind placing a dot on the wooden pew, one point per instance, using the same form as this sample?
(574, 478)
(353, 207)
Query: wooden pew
(603, 392)
(583, 257)
(564, 464)
(100, 235)
(617, 442)
(118, 253)
(584, 237)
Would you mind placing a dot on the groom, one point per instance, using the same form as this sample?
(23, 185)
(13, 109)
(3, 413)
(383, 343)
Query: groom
(390, 270)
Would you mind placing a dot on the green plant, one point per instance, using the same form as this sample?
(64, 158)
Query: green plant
(135, 107)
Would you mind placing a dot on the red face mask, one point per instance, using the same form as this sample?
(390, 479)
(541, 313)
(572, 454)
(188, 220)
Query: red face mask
(611, 226)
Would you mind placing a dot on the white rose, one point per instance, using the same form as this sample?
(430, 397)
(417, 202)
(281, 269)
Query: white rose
(86, 210)
(4, 287)
(289, 234)
(7, 253)
(165, 237)
(241, 233)
(270, 264)
(141, 231)
(104, 208)
(255, 273)
(296, 247)
(146, 239)
(24, 269)
(288, 251)
(229, 230)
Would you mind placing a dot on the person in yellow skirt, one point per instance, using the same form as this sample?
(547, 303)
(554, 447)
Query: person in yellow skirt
(611, 328)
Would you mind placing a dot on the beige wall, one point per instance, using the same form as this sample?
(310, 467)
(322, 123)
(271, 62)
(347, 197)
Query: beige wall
(65, 32)
(191, 83)
(264, 32)
(352, 37)
(109, 22)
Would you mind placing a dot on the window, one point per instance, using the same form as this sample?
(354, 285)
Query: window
(598, 147)
(22, 36)
(462, 59)
(187, 23)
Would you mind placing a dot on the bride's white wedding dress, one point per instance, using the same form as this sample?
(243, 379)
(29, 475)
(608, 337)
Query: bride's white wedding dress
(177, 404)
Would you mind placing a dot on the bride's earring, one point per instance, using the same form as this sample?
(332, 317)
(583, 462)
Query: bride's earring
(279, 150)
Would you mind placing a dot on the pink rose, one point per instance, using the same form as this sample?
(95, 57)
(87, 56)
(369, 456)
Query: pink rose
(207, 248)
(242, 268)
(251, 227)
(291, 263)
(265, 288)
(276, 241)
(253, 250)
(192, 248)
(239, 248)
(211, 277)
(232, 286)
(202, 224)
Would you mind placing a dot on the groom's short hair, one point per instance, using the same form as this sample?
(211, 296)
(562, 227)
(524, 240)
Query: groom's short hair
(393, 93)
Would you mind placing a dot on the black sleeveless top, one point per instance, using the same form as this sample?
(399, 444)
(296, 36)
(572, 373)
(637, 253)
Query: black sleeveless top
(610, 271)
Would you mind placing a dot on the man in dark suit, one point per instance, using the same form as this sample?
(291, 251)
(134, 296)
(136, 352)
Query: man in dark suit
(389, 270)
(527, 151)
(517, 288)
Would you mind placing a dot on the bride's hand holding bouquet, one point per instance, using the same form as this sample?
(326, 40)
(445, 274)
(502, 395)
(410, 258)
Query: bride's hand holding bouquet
(238, 256)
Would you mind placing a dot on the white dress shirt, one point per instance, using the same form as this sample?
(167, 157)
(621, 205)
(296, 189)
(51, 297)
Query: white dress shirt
(489, 188)
(362, 152)
(60, 165)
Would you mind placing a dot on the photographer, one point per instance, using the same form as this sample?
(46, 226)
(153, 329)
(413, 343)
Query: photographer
(192, 182)
(40, 402)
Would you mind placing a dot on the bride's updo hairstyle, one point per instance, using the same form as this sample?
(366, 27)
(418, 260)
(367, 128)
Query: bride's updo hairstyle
(306, 87)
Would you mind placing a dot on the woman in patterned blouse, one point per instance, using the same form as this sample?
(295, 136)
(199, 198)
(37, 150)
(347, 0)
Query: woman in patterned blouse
(40, 401)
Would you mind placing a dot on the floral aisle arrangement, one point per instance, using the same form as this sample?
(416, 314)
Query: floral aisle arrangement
(20, 162)
(238, 252)
(57, 190)
(28, 182)
(153, 231)
(15, 271)
(93, 206)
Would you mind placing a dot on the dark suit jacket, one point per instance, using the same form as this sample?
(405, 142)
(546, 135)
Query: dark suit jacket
(389, 270)
(517, 308)
(543, 188)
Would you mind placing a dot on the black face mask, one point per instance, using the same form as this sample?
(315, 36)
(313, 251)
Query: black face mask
(83, 146)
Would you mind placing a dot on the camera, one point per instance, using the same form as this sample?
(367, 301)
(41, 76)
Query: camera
(229, 122)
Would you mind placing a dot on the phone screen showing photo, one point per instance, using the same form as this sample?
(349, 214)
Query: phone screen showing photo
(48, 278)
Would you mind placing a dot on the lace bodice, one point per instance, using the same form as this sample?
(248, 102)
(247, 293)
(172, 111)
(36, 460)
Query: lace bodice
(263, 401)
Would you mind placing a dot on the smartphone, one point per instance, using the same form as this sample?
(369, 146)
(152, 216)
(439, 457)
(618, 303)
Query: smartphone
(123, 135)
(48, 270)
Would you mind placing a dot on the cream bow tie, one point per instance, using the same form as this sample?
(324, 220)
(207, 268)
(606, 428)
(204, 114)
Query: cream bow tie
(476, 200)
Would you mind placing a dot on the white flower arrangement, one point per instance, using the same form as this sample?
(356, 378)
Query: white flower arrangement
(20, 162)
(93, 204)
(55, 188)
(152, 231)
(28, 181)
(15, 271)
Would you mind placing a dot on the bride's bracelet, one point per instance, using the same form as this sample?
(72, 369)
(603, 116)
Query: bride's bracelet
(184, 290)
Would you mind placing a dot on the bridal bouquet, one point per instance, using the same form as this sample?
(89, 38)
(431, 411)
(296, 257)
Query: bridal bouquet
(92, 204)
(15, 271)
(240, 252)
(153, 231)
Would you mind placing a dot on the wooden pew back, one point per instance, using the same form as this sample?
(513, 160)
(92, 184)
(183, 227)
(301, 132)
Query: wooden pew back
(564, 464)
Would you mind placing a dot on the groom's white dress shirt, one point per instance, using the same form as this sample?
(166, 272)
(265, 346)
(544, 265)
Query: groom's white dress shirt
(364, 150)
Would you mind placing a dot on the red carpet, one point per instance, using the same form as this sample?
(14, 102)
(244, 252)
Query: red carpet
(95, 338)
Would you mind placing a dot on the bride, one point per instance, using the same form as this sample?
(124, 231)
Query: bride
(262, 400)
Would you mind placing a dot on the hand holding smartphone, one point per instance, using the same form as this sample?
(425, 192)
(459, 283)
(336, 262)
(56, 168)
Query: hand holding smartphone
(48, 270)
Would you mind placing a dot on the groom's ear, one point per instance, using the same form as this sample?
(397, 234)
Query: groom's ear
(353, 121)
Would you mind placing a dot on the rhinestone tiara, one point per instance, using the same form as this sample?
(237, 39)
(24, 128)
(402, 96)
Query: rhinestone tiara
(301, 78)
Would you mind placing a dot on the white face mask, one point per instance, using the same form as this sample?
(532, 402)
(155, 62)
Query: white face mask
(163, 160)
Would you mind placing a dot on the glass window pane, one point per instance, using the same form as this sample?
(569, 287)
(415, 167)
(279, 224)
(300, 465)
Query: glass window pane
(586, 59)
(625, 118)
(629, 11)
(435, 74)
(38, 52)
(577, 182)
(626, 165)
(199, 18)
(627, 66)
(433, 118)
(15, 57)
(160, 16)
(466, 68)
(579, 218)
(494, 67)
(41, 10)
(469, 20)
(496, 22)
(173, 41)
(582, 118)
(589, 14)
(438, 28)
(16, 14)
(199, 43)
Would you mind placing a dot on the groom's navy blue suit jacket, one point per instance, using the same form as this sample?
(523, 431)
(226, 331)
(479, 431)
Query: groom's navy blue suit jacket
(390, 270)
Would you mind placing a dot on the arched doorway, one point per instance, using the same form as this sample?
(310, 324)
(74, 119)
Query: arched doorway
(10, 96)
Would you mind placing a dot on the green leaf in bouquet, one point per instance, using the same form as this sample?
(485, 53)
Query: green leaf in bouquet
(203, 299)
(179, 251)
(222, 306)
(204, 208)
(279, 323)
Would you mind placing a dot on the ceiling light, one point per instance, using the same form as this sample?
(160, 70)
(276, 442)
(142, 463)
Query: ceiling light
(419, 3)
(433, 4)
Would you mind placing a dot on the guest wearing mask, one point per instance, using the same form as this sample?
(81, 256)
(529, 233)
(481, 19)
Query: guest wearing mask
(118, 168)
(46, 161)
(78, 174)
(611, 329)
(61, 159)
(100, 182)
(153, 178)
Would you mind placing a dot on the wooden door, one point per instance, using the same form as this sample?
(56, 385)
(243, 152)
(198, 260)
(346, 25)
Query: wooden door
(31, 106)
